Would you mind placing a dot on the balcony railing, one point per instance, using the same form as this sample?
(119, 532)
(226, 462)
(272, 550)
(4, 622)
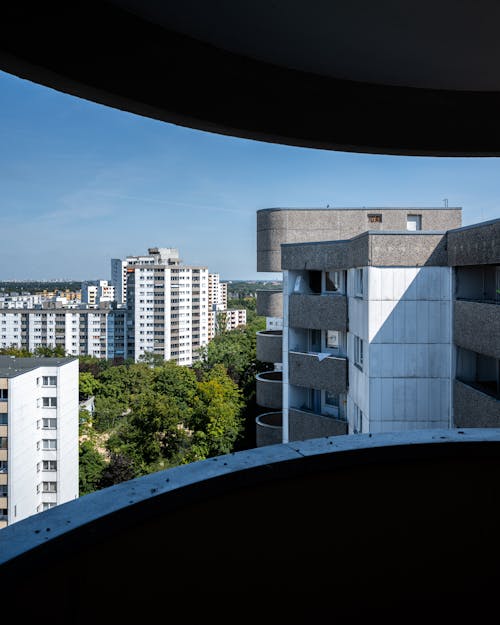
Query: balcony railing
(269, 346)
(269, 387)
(318, 312)
(318, 371)
(269, 428)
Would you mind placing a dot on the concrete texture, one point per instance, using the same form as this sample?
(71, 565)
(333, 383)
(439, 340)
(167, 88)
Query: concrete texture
(269, 429)
(270, 303)
(308, 371)
(318, 312)
(304, 425)
(269, 346)
(269, 389)
(277, 226)
(476, 326)
(478, 244)
(473, 409)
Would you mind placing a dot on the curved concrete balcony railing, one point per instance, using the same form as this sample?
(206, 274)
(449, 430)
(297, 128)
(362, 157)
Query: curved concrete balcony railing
(328, 374)
(269, 428)
(429, 554)
(269, 303)
(269, 386)
(473, 408)
(318, 312)
(269, 346)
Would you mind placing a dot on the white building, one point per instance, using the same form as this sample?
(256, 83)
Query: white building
(97, 292)
(219, 316)
(38, 435)
(167, 306)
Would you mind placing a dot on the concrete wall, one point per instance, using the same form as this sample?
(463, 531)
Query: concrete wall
(269, 387)
(318, 312)
(269, 430)
(304, 425)
(474, 409)
(270, 303)
(269, 346)
(308, 371)
(476, 326)
(475, 245)
(276, 226)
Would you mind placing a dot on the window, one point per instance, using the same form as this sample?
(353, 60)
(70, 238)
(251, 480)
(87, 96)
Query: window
(358, 420)
(331, 404)
(375, 219)
(414, 222)
(46, 505)
(358, 352)
(49, 443)
(49, 402)
(4, 418)
(49, 487)
(49, 424)
(49, 465)
(4, 394)
(4, 466)
(334, 282)
(3, 442)
(332, 339)
(4, 490)
(49, 380)
(358, 282)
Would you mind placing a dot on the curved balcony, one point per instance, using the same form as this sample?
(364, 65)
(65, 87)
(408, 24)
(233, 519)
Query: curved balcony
(270, 303)
(269, 346)
(309, 371)
(318, 312)
(269, 428)
(269, 389)
(432, 541)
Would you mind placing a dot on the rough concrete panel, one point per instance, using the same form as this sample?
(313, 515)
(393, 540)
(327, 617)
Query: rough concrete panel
(305, 425)
(269, 261)
(269, 430)
(475, 245)
(319, 256)
(277, 226)
(318, 312)
(473, 409)
(269, 346)
(329, 374)
(408, 250)
(269, 390)
(270, 303)
(476, 326)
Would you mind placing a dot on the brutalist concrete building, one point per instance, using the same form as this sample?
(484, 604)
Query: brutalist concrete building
(390, 322)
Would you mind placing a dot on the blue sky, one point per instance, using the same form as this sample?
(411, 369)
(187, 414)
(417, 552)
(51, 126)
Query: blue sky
(82, 183)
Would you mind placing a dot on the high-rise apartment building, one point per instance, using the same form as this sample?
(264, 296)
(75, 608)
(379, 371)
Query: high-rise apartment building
(38, 435)
(219, 316)
(97, 292)
(391, 328)
(167, 306)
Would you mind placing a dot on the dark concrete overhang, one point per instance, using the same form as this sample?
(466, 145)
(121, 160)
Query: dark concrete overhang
(333, 75)
(248, 535)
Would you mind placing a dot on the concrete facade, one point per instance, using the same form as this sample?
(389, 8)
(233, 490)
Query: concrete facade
(473, 408)
(270, 303)
(318, 311)
(306, 424)
(269, 429)
(476, 326)
(478, 244)
(269, 346)
(276, 226)
(313, 371)
(269, 389)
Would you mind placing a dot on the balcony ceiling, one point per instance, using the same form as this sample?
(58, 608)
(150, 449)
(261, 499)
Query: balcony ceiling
(415, 77)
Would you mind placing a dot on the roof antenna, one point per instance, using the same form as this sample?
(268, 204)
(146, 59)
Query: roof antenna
(445, 202)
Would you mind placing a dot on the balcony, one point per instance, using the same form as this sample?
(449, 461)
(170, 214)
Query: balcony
(308, 371)
(270, 303)
(269, 430)
(474, 325)
(474, 408)
(317, 495)
(305, 424)
(318, 312)
(269, 386)
(269, 346)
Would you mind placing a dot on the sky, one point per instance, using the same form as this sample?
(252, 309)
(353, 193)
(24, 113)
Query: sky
(82, 183)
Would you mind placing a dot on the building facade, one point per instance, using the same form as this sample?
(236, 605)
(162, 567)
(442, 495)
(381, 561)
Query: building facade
(378, 329)
(38, 435)
(220, 318)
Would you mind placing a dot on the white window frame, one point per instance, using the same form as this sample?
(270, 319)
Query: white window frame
(49, 444)
(358, 282)
(358, 352)
(339, 278)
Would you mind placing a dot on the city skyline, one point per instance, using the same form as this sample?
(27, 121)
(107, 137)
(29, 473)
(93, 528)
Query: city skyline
(83, 183)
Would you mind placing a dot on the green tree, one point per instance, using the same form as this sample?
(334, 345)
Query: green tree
(91, 468)
(18, 352)
(50, 352)
(87, 385)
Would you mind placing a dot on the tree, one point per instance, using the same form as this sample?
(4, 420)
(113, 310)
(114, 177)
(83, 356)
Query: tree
(91, 468)
(87, 385)
(46, 351)
(18, 352)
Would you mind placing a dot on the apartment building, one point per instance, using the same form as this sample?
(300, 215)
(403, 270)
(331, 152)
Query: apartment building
(99, 332)
(167, 306)
(96, 292)
(38, 435)
(373, 325)
(219, 316)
